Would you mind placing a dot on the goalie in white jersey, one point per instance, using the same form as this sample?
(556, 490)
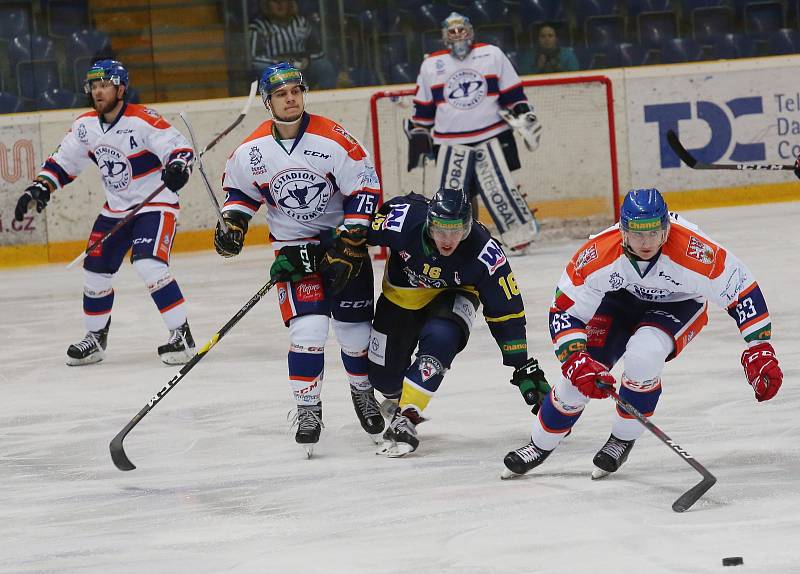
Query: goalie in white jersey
(136, 151)
(640, 291)
(467, 95)
(318, 185)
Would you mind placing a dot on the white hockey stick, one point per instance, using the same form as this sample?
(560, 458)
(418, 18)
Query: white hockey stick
(204, 177)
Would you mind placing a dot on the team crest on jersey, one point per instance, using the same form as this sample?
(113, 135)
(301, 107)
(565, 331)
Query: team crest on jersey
(616, 281)
(397, 216)
(586, 256)
(152, 113)
(700, 251)
(650, 293)
(465, 89)
(300, 193)
(492, 256)
(81, 134)
(404, 254)
(256, 159)
(115, 169)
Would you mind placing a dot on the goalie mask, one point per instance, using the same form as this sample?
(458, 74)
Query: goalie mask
(644, 223)
(457, 35)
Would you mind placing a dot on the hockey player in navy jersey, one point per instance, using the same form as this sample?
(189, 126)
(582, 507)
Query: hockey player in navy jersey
(470, 95)
(442, 267)
(136, 151)
(315, 180)
(639, 292)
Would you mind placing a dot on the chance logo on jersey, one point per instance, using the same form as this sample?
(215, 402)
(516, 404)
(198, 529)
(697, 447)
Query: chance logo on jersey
(465, 89)
(300, 193)
(115, 169)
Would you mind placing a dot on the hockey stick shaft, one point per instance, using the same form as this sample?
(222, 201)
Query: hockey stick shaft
(692, 495)
(687, 158)
(121, 460)
(204, 177)
(122, 222)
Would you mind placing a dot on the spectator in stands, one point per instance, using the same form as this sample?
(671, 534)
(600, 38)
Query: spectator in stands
(280, 34)
(549, 56)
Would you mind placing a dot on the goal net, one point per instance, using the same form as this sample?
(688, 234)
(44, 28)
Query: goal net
(570, 180)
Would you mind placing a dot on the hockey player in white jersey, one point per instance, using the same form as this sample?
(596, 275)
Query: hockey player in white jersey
(316, 180)
(136, 151)
(470, 95)
(640, 291)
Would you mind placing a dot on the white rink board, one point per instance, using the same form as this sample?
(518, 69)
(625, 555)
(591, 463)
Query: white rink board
(221, 487)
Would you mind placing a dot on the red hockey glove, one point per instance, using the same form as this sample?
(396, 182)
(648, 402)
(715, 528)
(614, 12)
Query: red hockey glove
(762, 370)
(584, 372)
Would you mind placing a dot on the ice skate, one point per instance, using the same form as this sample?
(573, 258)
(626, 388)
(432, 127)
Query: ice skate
(523, 459)
(400, 438)
(180, 347)
(611, 456)
(368, 412)
(389, 407)
(90, 350)
(308, 424)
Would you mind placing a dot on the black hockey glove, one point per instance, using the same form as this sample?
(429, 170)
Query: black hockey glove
(797, 167)
(230, 243)
(532, 384)
(175, 175)
(38, 192)
(295, 262)
(344, 258)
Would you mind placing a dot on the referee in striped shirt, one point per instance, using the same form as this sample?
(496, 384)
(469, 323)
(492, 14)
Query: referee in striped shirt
(281, 35)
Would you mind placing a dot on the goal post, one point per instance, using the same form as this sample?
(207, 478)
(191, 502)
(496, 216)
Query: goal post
(571, 180)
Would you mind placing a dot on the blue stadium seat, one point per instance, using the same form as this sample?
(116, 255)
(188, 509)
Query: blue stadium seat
(36, 76)
(626, 55)
(66, 16)
(605, 32)
(711, 21)
(501, 36)
(731, 46)
(655, 27)
(541, 11)
(688, 5)
(584, 9)
(430, 16)
(83, 48)
(636, 7)
(30, 47)
(59, 99)
(15, 20)
(675, 50)
(10, 104)
(401, 73)
(784, 41)
(362, 77)
(592, 58)
(487, 12)
(764, 17)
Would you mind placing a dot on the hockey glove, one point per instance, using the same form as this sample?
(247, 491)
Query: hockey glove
(230, 243)
(344, 258)
(420, 144)
(523, 119)
(584, 373)
(295, 262)
(797, 166)
(762, 370)
(175, 175)
(532, 384)
(38, 192)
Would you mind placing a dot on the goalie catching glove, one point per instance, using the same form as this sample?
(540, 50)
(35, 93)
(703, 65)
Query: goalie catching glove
(532, 384)
(229, 243)
(522, 119)
(295, 262)
(343, 259)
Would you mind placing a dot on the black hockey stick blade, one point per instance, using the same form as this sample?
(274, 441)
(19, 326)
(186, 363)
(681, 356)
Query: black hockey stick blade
(121, 460)
(688, 498)
(691, 161)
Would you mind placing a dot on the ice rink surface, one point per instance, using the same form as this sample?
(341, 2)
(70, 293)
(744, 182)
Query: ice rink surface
(222, 487)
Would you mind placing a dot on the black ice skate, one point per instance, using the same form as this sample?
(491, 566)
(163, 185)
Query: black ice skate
(609, 458)
(180, 347)
(400, 438)
(525, 458)
(308, 420)
(368, 412)
(91, 349)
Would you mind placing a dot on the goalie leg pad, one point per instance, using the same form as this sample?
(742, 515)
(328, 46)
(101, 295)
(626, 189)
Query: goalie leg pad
(455, 168)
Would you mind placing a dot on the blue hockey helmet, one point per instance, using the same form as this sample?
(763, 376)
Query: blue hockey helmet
(276, 76)
(450, 211)
(111, 70)
(644, 210)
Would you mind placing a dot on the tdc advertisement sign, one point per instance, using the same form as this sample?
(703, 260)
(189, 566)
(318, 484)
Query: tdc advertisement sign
(735, 116)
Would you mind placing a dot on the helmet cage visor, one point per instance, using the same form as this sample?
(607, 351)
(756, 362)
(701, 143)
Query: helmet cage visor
(103, 76)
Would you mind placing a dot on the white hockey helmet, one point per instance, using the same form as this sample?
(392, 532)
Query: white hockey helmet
(457, 35)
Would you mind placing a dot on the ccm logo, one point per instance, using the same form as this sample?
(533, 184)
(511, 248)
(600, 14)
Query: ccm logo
(355, 304)
(316, 154)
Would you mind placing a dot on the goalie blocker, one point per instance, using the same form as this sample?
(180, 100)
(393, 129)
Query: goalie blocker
(456, 167)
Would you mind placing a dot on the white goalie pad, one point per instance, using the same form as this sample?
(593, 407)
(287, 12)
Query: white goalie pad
(455, 167)
(528, 127)
(515, 223)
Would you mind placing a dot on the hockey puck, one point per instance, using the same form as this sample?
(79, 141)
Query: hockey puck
(732, 561)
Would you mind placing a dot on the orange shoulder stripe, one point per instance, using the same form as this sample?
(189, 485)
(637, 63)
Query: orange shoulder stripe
(265, 129)
(89, 114)
(138, 111)
(694, 252)
(329, 129)
(595, 254)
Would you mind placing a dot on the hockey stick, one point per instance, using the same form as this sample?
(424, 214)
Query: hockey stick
(149, 198)
(204, 177)
(688, 498)
(691, 161)
(118, 455)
